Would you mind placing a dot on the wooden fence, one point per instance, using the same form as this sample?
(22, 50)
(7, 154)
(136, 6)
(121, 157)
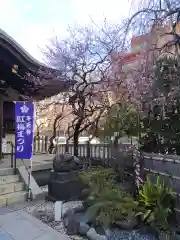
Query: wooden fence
(137, 165)
(41, 144)
(167, 166)
(99, 151)
(119, 157)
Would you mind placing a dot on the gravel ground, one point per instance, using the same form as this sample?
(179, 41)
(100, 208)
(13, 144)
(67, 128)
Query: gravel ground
(45, 212)
(133, 235)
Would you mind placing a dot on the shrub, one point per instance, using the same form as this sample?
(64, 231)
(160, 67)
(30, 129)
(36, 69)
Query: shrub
(108, 203)
(97, 179)
(98, 176)
(156, 202)
(111, 206)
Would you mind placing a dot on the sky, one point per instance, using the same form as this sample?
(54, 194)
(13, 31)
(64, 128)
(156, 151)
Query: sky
(32, 22)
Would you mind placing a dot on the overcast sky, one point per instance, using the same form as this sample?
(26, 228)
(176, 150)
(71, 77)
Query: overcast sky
(32, 22)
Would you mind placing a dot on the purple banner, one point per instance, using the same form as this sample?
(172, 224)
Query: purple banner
(24, 129)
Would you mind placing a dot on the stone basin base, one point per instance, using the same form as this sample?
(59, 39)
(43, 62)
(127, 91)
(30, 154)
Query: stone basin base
(65, 186)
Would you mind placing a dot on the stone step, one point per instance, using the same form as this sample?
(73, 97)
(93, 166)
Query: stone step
(9, 179)
(6, 171)
(11, 187)
(11, 198)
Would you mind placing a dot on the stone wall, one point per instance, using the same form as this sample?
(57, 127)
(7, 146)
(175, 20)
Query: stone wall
(168, 168)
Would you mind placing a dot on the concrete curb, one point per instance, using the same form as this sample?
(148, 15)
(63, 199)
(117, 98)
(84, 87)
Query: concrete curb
(36, 191)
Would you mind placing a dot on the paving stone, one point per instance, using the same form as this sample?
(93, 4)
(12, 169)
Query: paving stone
(5, 210)
(4, 235)
(53, 237)
(47, 229)
(19, 228)
(22, 205)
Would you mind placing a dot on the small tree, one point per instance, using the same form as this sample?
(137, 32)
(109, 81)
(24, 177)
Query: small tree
(162, 123)
(50, 114)
(42, 118)
(120, 119)
(85, 57)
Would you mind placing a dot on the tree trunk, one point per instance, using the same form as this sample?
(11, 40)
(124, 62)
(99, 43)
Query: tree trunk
(37, 133)
(76, 143)
(55, 124)
(76, 137)
(38, 130)
(116, 141)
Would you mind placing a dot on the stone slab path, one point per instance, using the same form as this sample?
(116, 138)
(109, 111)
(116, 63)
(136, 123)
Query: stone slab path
(17, 224)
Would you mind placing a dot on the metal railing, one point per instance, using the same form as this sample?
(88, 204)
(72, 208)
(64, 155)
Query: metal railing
(13, 162)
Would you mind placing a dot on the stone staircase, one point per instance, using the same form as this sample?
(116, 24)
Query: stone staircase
(12, 189)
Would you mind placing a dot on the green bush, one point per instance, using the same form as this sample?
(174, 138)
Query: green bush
(111, 206)
(98, 177)
(156, 204)
(107, 203)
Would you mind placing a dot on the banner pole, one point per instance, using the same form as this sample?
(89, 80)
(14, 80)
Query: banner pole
(31, 163)
(29, 181)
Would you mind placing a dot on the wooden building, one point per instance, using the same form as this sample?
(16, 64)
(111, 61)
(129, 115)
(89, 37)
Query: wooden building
(22, 78)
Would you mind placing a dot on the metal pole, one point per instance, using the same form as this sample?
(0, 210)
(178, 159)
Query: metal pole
(30, 167)
(29, 181)
(1, 124)
(12, 155)
(15, 161)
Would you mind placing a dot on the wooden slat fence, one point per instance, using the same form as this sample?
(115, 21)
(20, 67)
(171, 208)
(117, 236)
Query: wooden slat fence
(100, 151)
(166, 166)
(41, 144)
